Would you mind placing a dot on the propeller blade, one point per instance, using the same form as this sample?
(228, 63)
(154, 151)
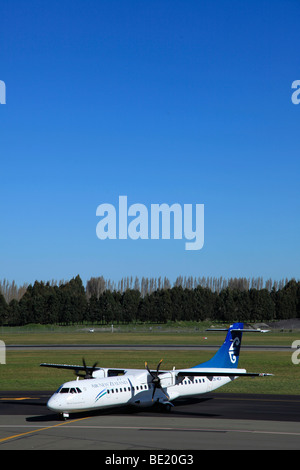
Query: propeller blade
(155, 378)
(88, 371)
(151, 373)
(158, 366)
(166, 395)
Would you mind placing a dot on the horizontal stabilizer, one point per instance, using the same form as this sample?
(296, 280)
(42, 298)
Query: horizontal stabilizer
(220, 373)
(248, 330)
(225, 374)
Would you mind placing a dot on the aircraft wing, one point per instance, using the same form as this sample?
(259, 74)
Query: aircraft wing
(83, 368)
(65, 366)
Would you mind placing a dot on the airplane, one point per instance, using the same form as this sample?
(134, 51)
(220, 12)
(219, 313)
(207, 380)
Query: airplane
(101, 387)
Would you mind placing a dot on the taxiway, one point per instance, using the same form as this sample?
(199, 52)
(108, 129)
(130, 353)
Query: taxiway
(214, 421)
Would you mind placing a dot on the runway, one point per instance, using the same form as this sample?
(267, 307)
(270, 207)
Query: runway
(214, 421)
(138, 347)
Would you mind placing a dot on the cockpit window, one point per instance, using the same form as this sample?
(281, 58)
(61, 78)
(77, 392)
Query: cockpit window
(68, 390)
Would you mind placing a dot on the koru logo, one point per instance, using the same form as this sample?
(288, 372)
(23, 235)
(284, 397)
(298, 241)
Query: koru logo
(233, 347)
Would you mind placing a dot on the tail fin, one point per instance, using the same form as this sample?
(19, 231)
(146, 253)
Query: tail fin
(228, 354)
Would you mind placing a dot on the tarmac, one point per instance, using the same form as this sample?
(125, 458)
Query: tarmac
(216, 421)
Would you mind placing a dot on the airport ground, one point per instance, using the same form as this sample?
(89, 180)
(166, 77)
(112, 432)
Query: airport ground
(211, 422)
(261, 417)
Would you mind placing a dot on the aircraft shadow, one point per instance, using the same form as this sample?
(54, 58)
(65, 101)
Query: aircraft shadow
(179, 409)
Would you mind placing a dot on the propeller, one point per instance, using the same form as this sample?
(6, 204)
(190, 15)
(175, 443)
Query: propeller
(155, 379)
(87, 369)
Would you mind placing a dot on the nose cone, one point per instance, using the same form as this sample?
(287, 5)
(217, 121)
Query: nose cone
(53, 403)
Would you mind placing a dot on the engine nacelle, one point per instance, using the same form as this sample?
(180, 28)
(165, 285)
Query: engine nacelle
(167, 379)
(100, 374)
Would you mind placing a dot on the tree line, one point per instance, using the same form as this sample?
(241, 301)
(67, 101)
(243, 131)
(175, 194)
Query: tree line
(69, 302)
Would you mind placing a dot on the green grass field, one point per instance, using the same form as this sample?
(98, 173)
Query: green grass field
(22, 371)
(179, 333)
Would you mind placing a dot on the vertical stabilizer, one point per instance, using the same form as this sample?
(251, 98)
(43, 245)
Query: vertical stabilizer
(228, 354)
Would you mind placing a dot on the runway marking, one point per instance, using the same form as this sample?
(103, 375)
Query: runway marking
(18, 399)
(140, 428)
(40, 429)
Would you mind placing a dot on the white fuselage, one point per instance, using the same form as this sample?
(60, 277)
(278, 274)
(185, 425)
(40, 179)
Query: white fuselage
(133, 388)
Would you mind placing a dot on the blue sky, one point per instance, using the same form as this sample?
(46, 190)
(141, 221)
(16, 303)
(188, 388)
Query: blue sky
(163, 101)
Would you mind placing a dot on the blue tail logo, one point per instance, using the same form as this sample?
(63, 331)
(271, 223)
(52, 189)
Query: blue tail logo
(228, 354)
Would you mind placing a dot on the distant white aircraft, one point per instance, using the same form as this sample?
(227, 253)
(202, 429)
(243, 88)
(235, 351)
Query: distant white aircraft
(109, 387)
